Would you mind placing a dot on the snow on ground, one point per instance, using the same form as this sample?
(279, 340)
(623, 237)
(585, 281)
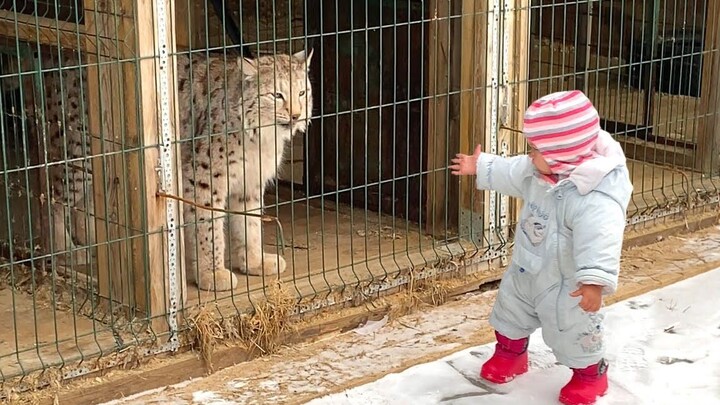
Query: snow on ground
(663, 348)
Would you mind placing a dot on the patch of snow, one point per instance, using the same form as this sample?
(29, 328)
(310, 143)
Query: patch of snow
(270, 385)
(160, 395)
(663, 348)
(371, 326)
(210, 398)
(236, 384)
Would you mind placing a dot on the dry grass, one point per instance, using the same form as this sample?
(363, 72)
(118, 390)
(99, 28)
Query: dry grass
(31, 389)
(418, 293)
(207, 331)
(262, 331)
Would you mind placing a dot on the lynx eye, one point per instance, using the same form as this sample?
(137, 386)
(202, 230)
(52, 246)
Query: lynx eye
(302, 93)
(278, 96)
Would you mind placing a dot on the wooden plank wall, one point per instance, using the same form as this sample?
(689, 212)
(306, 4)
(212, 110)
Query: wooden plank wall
(444, 57)
(372, 128)
(474, 110)
(709, 128)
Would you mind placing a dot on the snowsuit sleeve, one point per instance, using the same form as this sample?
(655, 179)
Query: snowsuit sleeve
(504, 175)
(598, 229)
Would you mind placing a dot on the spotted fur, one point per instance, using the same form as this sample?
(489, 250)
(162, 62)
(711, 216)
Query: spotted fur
(58, 125)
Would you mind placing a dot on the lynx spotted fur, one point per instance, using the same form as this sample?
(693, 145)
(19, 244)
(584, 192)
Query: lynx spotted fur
(236, 117)
(243, 115)
(61, 121)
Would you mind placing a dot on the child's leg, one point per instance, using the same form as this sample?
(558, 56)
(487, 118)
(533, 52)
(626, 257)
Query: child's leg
(514, 320)
(513, 315)
(576, 338)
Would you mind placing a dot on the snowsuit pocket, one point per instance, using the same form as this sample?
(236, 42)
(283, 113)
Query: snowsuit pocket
(527, 260)
(568, 308)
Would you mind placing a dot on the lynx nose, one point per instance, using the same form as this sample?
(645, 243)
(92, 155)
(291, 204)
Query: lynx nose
(295, 116)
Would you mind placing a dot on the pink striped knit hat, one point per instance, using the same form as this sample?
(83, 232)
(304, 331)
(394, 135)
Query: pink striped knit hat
(563, 127)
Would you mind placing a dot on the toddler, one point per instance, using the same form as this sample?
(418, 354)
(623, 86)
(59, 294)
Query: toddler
(576, 188)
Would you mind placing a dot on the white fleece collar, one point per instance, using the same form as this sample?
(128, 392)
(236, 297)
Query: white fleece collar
(588, 175)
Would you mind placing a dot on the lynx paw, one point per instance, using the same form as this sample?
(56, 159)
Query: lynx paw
(271, 264)
(218, 280)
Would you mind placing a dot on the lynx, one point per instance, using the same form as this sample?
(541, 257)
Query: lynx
(240, 115)
(236, 117)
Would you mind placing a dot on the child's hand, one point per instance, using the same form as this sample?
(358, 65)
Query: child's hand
(464, 164)
(591, 297)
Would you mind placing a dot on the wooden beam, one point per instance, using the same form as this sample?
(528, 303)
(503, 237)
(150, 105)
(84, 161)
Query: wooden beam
(492, 52)
(68, 35)
(708, 141)
(438, 115)
(106, 110)
(582, 45)
(124, 121)
(473, 111)
(151, 278)
(518, 77)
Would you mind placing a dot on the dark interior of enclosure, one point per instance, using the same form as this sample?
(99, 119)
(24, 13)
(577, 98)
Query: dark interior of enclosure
(654, 45)
(367, 145)
(22, 229)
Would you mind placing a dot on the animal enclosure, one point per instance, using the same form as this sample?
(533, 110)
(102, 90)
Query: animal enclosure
(167, 160)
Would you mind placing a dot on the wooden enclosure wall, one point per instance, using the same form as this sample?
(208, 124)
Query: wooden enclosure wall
(708, 143)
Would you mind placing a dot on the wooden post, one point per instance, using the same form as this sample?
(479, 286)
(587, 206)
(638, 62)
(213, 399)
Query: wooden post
(583, 13)
(481, 62)
(708, 144)
(518, 77)
(438, 114)
(474, 110)
(132, 251)
(153, 280)
(106, 110)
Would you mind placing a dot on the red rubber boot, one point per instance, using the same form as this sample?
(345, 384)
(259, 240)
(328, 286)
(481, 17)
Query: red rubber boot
(510, 360)
(586, 385)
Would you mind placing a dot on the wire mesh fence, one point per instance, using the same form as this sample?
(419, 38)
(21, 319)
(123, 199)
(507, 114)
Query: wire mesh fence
(181, 171)
(648, 68)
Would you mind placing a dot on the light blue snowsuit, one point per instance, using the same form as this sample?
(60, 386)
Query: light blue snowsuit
(568, 234)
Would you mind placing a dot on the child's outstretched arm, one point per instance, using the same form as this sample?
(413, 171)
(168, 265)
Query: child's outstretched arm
(504, 175)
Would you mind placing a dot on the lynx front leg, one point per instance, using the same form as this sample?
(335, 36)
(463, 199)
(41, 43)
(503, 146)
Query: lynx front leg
(247, 246)
(63, 246)
(64, 192)
(83, 216)
(205, 241)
